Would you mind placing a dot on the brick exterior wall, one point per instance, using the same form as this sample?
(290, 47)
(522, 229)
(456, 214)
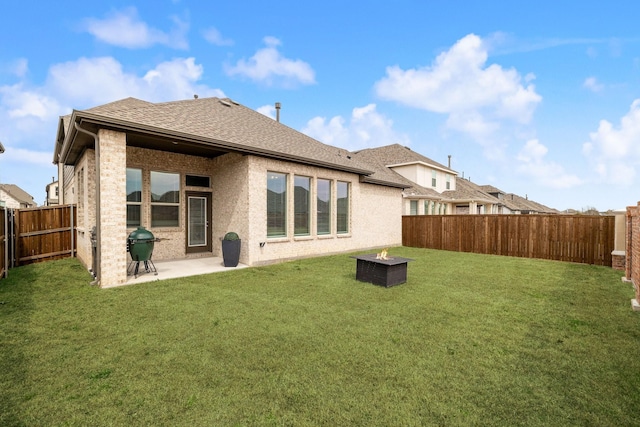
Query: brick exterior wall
(83, 191)
(9, 201)
(375, 215)
(632, 269)
(113, 213)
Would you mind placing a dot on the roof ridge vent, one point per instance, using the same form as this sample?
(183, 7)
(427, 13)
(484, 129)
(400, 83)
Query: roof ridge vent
(224, 102)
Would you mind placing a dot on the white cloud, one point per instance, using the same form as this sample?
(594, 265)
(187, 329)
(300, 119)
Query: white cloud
(20, 67)
(269, 67)
(20, 103)
(615, 152)
(592, 84)
(124, 28)
(478, 97)
(366, 128)
(27, 156)
(93, 81)
(267, 110)
(532, 163)
(213, 36)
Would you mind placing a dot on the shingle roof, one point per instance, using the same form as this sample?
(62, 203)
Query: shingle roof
(467, 190)
(226, 125)
(18, 194)
(396, 154)
(382, 157)
(524, 204)
(490, 189)
(122, 104)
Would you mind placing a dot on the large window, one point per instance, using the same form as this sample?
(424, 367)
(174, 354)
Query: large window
(342, 220)
(134, 197)
(323, 206)
(276, 204)
(165, 199)
(448, 182)
(433, 178)
(413, 207)
(301, 202)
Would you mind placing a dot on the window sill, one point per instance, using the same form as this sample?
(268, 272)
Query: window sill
(277, 239)
(342, 236)
(302, 238)
(325, 236)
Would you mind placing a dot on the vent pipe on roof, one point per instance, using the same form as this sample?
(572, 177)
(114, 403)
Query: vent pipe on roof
(278, 112)
(449, 161)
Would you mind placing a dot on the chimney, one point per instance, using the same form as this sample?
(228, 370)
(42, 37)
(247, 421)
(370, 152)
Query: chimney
(278, 112)
(449, 161)
(195, 96)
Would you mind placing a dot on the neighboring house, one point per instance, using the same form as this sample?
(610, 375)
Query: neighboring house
(469, 198)
(15, 197)
(435, 189)
(53, 192)
(427, 180)
(512, 203)
(191, 171)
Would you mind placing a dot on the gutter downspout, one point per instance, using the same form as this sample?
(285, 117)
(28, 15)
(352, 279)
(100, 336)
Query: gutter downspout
(96, 140)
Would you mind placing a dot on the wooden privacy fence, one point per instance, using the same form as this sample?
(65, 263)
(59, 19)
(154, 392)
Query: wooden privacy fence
(4, 241)
(44, 234)
(573, 238)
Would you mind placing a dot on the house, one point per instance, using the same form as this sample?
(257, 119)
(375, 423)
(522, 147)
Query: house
(52, 191)
(512, 203)
(426, 179)
(15, 197)
(469, 198)
(435, 189)
(191, 171)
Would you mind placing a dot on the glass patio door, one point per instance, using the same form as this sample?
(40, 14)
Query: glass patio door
(198, 217)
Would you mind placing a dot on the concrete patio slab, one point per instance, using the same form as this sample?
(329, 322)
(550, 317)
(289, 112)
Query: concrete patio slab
(182, 268)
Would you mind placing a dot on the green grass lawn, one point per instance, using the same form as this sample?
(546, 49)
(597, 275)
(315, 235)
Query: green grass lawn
(468, 340)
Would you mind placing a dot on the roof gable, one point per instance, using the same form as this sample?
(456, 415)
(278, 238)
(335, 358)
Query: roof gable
(396, 154)
(18, 194)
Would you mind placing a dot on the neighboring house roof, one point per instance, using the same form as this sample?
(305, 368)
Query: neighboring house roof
(18, 194)
(518, 203)
(396, 154)
(468, 191)
(491, 189)
(381, 158)
(207, 127)
(526, 205)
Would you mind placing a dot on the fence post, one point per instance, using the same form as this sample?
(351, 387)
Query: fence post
(73, 234)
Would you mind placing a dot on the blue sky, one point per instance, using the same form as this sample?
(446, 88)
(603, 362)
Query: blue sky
(536, 98)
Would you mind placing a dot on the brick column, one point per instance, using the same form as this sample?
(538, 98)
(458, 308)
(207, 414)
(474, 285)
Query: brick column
(112, 161)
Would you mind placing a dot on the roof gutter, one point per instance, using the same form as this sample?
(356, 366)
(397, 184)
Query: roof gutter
(369, 180)
(96, 138)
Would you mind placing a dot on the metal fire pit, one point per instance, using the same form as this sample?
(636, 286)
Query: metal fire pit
(140, 245)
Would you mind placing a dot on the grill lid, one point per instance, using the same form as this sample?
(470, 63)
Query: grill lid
(141, 233)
